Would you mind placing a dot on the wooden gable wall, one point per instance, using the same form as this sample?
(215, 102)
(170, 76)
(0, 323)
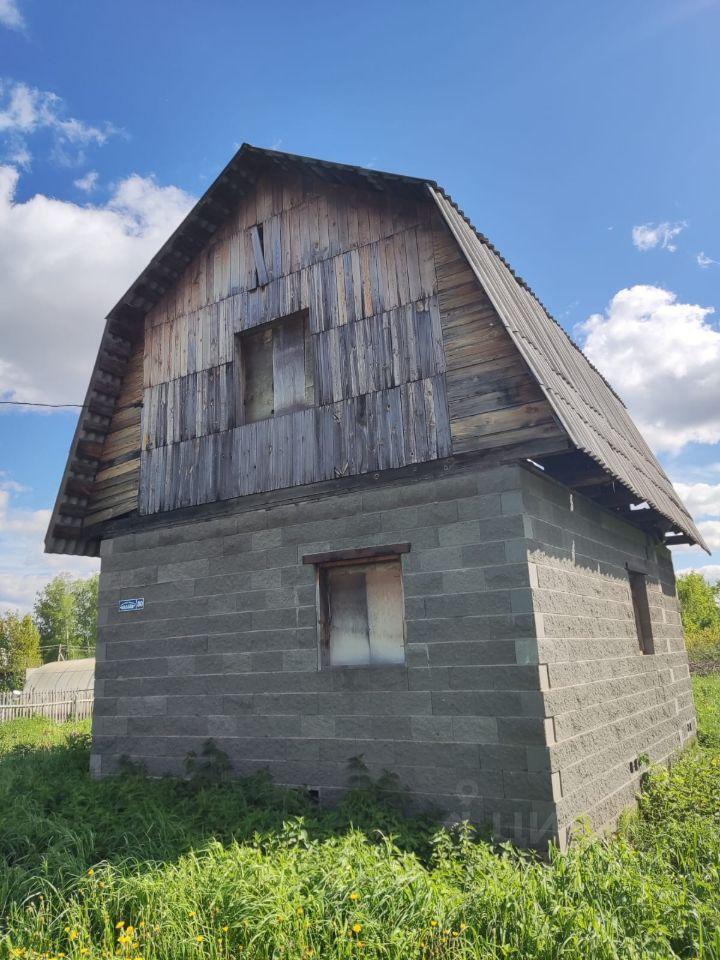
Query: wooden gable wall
(410, 361)
(493, 397)
(362, 265)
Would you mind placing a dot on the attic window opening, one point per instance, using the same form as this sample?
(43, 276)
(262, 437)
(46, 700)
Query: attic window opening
(256, 237)
(273, 369)
(361, 613)
(641, 610)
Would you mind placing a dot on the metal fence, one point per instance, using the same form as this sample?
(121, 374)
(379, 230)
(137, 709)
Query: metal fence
(58, 705)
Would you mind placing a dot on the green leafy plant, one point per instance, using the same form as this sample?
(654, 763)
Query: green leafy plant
(212, 766)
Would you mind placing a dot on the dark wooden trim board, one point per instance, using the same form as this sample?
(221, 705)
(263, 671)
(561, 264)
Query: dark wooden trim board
(357, 553)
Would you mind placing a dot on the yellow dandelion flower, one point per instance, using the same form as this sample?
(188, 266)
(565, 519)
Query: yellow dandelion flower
(455, 933)
(300, 911)
(141, 924)
(463, 926)
(120, 924)
(357, 927)
(91, 872)
(433, 923)
(73, 934)
(199, 938)
(354, 895)
(225, 929)
(192, 914)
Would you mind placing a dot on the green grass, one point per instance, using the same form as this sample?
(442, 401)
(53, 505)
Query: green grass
(164, 869)
(707, 704)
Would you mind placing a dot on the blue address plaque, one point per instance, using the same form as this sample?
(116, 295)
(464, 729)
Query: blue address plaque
(136, 603)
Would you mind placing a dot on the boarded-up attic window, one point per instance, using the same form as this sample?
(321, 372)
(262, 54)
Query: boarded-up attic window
(274, 369)
(361, 612)
(641, 609)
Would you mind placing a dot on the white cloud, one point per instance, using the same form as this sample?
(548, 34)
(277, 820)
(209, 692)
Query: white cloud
(10, 15)
(711, 571)
(24, 567)
(26, 110)
(649, 235)
(710, 529)
(88, 182)
(704, 261)
(62, 267)
(701, 499)
(663, 357)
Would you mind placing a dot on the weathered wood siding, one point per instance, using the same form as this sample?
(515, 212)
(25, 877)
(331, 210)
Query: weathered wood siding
(362, 265)
(115, 490)
(494, 399)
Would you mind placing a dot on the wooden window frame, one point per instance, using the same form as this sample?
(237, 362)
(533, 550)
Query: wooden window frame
(363, 556)
(239, 361)
(641, 609)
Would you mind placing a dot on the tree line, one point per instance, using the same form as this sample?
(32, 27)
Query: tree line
(62, 626)
(700, 611)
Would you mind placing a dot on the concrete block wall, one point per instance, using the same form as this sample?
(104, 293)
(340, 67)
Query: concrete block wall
(606, 702)
(524, 697)
(226, 647)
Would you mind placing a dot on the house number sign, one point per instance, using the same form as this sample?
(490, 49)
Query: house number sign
(137, 603)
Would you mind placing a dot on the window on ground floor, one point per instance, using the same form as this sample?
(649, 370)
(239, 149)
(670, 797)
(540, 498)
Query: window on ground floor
(641, 609)
(361, 612)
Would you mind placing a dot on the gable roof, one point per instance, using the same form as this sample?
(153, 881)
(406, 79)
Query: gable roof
(594, 417)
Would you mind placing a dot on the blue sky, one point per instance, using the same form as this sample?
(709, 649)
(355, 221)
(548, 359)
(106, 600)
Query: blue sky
(583, 139)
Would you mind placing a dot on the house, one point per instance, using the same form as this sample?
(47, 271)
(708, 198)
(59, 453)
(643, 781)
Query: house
(357, 493)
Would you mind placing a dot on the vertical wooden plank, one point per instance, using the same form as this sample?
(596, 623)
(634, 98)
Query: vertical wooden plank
(442, 417)
(289, 365)
(357, 284)
(323, 230)
(413, 265)
(367, 305)
(401, 268)
(426, 258)
(339, 280)
(385, 610)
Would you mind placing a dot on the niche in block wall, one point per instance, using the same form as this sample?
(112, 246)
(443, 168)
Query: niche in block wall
(274, 369)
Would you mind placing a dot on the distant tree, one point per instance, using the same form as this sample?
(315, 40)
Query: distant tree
(700, 616)
(86, 613)
(698, 603)
(66, 616)
(19, 649)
